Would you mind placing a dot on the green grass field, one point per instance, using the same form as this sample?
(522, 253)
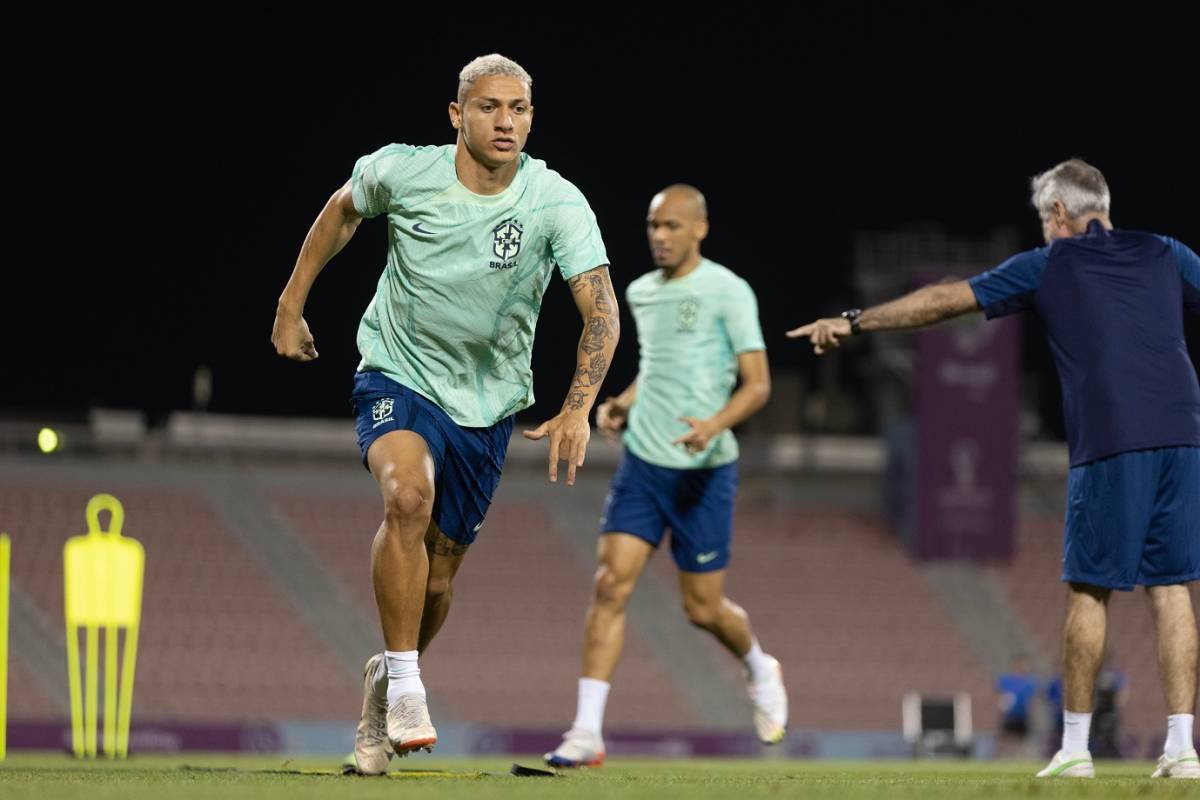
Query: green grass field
(57, 776)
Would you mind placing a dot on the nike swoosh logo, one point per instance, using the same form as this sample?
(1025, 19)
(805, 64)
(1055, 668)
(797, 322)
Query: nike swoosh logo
(418, 229)
(704, 558)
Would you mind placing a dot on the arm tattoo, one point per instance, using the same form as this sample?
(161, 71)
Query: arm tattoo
(439, 544)
(597, 368)
(586, 377)
(599, 331)
(600, 296)
(576, 399)
(593, 372)
(595, 335)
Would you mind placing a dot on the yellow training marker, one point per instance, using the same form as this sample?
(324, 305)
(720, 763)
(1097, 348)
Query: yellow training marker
(103, 573)
(5, 560)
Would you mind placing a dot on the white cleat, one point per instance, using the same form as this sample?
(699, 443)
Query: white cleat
(770, 704)
(1187, 765)
(579, 748)
(1069, 765)
(408, 725)
(372, 751)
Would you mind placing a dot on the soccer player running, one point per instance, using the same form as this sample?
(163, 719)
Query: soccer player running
(475, 230)
(1112, 303)
(697, 332)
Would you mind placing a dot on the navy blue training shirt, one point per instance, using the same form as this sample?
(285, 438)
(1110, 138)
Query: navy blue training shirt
(1112, 303)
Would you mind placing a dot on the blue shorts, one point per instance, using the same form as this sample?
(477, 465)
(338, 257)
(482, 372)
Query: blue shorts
(467, 461)
(1134, 519)
(696, 504)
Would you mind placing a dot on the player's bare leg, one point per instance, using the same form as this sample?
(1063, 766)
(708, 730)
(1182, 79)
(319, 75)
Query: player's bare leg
(403, 467)
(1083, 644)
(622, 558)
(1083, 650)
(372, 750)
(1175, 629)
(445, 557)
(707, 607)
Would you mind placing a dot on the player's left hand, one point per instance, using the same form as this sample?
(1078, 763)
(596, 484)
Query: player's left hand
(569, 433)
(824, 333)
(702, 432)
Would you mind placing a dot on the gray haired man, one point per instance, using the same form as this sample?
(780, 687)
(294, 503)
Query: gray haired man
(1112, 303)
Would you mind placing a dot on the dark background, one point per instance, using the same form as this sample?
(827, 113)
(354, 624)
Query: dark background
(162, 171)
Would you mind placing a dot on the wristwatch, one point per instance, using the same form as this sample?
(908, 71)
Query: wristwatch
(852, 317)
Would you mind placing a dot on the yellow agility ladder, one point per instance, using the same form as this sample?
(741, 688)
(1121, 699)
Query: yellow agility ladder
(103, 573)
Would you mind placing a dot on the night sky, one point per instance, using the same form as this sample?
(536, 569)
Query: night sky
(162, 173)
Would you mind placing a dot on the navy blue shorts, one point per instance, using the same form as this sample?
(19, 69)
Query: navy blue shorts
(696, 504)
(1134, 519)
(467, 461)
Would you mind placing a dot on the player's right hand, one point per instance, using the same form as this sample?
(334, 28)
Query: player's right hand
(568, 433)
(291, 337)
(611, 417)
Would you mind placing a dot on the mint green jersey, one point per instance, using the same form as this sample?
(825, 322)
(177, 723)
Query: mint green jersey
(454, 311)
(690, 331)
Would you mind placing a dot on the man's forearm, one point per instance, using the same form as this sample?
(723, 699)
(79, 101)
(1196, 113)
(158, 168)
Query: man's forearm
(925, 306)
(625, 399)
(601, 330)
(596, 347)
(748, 398)
(330, 232)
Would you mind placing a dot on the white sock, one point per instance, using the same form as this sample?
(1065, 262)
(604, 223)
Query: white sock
(1076, 727)
(404, 676)
(1179, 735)
(757, 662)
(589, 714)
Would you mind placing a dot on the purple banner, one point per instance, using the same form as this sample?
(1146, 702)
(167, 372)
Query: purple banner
(639, 744)
(966, 410)
(150, 737)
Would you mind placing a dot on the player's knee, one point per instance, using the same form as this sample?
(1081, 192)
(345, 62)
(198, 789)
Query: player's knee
(405, 502)
(437, 587)
(701, 613)
(1169, 598)
(609, 590)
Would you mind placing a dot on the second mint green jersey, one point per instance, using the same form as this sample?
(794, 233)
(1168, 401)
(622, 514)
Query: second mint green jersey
(690, 331)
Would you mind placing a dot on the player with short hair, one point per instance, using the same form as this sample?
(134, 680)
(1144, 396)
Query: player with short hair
(698, 332)
(475, 232)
